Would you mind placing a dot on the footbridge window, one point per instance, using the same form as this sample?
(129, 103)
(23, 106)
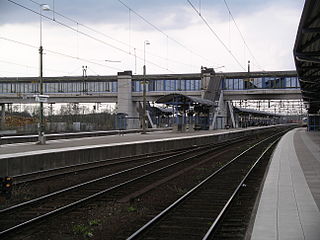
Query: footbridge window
(160, 85)
(260, 83)
(59, 87)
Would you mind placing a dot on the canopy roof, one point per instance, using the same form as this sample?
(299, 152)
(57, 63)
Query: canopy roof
(161, 111)
(256, 112)
(180, 99)
(307, 54)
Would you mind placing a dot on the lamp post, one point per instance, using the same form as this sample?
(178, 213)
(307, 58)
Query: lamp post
(41, 138)
(144, 117)
(84, 76)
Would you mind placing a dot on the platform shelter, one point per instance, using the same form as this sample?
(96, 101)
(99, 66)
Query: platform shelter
(245, 117)
(188, 113)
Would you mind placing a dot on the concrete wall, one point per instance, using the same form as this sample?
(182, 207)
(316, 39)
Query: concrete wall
(124, 102)
(3, 116)
(20, 163)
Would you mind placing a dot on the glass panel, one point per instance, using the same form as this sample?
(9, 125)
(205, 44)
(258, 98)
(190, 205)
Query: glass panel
(47, 87)
(134, 86)
(140, 86)
(193, 85)
(198, 84)
(241, 84)
(188, 85)
(152, 85)
(167, 85)
(173, 85)
(288, 82)
(224, 83)
(178, 84)
(229, 84)
(297, 82)
(259, 82)
(159, 85)
(235, 84)
(114, 86)
(184, 85)
(6, 88)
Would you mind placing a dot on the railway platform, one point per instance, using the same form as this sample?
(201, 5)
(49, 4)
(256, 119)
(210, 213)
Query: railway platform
(289, 206)
(20, 158)
(27, 148)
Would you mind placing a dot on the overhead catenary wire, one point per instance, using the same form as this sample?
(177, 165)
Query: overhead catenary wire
(58, 53)
(216, 35)
(161, 31)
(91, 69)
(129, 20)
(66, 55)
(82, 25)
(28, 66)
(86, 34)
(82, 59)
(116, 40)
(241, 35)
(25, 73)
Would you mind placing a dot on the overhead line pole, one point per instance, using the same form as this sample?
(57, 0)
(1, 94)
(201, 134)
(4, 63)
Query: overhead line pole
(144, 117)
(41, 130)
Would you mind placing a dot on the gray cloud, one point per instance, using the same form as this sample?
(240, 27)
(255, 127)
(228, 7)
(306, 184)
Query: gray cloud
(113, 12)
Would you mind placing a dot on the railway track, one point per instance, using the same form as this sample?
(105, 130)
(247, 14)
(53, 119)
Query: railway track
(85, 167)
(236, 222)
(32, 185)
(43, 182)
(196, 214)
(16, 217)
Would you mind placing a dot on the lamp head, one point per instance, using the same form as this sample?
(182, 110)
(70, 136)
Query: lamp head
(45, 7)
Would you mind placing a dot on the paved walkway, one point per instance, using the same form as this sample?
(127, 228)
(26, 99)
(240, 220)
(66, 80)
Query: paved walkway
(101, 140)
(290, 199)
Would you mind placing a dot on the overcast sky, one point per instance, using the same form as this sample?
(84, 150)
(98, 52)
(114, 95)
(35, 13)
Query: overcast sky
(182, 43)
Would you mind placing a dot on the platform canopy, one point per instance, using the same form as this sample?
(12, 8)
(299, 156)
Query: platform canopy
(256, 112)
(161, 111)
(307, 54)
(180, 99)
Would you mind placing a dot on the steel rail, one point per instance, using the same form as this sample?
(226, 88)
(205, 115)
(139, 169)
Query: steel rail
(100, 161)
(90, 197)
(82, 167)
(85, 183)
(109, 176)
(149, 224)
(95, 195)
(226, 206)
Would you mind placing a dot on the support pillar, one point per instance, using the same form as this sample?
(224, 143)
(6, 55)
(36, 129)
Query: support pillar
(124, 101)
(220, 115)
(230, 107)
(3, 116)
(206, 82)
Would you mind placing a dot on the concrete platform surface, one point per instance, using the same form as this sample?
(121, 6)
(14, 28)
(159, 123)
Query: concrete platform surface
(30, 147)
(22, 158)
(290, 199)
